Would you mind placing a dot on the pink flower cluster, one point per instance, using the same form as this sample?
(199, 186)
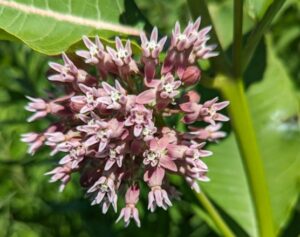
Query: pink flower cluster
(112, 126)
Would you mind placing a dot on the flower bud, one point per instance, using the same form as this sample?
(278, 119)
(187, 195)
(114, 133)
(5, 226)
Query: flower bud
(191, 75)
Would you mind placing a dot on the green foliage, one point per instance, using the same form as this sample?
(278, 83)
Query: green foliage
(273, 104)
(51, 27)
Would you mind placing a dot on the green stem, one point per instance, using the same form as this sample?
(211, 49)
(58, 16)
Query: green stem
(199, 8)
(218, 220)
(259, 31)
(237, 37)
(233, 90)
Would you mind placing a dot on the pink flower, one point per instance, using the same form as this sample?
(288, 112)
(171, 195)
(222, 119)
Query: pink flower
(122, 58)
(66, 72)
(95, 50)
(150, 52)
(101, 133)
(34, 140)
(62, 173)
(157, 155)
(97, 55)
(76, 154)
(69, 72)
(115, 97)
(209, 133)
(193, 155)
(186, 47)
(208, 112)
(104, 193)
(41, 108)
(157, 196)
(164, 91)
(130, 211)
(139, 118)
(114, 154)
(87, 102)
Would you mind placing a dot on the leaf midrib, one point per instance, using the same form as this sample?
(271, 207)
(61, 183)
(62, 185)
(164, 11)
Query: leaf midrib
(76, 20)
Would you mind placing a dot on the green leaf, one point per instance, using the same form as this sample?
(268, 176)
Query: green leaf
(51, 27)
(222, 16)
(257, 8)
(274, 108)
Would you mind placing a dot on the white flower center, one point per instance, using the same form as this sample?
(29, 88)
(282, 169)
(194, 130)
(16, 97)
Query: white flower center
(181, 37)
(169, 87)
(89, 98)
(115, 96)
(102, 134)
(152, 156)
(122, 53)
(81, 76)
(147, 132)
(104, 188)
(113, 154)
(93, 50)
(151, 45)
(212, 112)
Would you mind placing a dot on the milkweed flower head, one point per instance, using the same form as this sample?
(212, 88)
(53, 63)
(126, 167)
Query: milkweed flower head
(112, 127)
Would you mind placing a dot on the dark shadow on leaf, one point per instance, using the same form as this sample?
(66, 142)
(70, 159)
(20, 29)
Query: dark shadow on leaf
(256, 68)
(134, 17)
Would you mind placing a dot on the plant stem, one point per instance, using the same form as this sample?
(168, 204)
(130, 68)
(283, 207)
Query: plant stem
(199, 8)
(237, 37)
(259, 31)
(233, 90)
(218, 220)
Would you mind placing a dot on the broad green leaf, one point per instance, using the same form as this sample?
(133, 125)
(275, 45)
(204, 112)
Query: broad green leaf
(52, 26)
(274, 107)
(257, 8)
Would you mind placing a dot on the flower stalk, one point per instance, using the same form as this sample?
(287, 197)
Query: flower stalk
(233, 90)
(218, 220)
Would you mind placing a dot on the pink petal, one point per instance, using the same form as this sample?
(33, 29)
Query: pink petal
(167, 163)
(146, 97)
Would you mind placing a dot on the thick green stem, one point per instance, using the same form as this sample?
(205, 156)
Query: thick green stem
(233, 90)
(237, 37)
(218, 220)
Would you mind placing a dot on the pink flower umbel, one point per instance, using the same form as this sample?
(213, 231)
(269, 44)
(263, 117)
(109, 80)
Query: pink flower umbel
(111, 127)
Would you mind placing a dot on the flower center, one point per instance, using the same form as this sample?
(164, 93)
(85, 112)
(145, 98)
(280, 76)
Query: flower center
(102, 134)
(169, 87)
(212, 112)
(147, 132)
(115, 96)
(139, 117)
(89, 98)
(152, 156)
(112, 154)
(81, 76)
(181, 37)
(104, 188)
(151, 45)
(122, 53)
(93, 50)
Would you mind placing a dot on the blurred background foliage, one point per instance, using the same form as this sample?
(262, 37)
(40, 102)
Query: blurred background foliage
(30, 206)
